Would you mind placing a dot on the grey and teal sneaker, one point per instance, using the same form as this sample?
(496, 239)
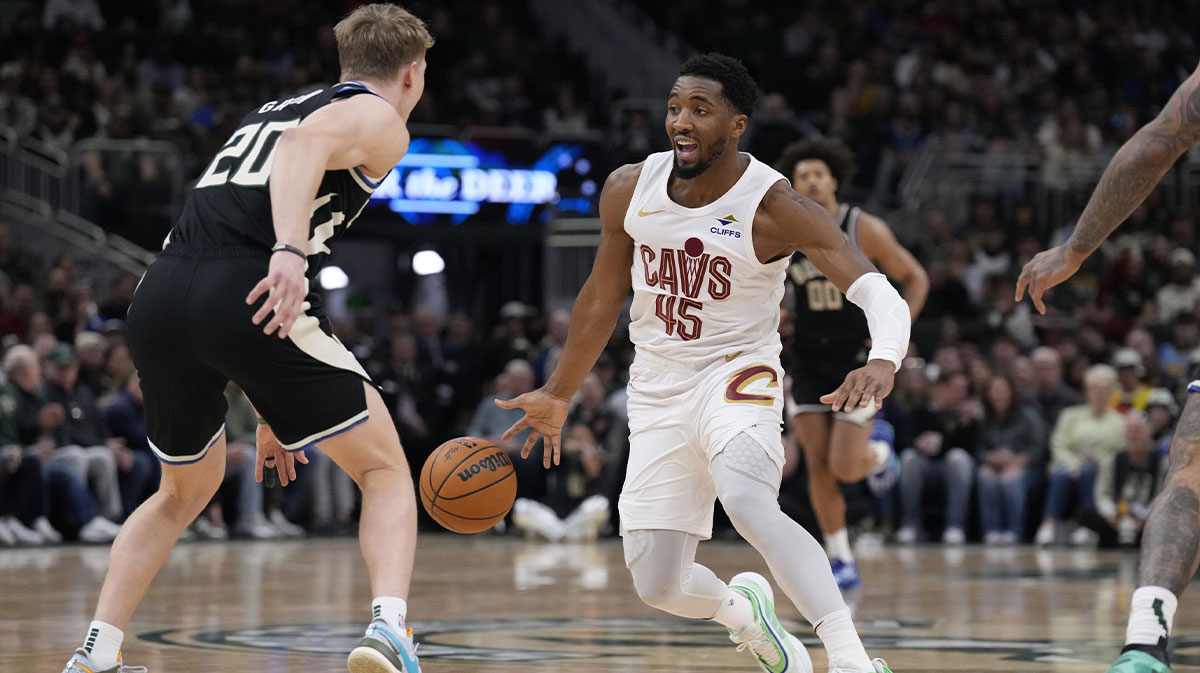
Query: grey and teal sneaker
(777, 650)
(1136, 661)
(81, 663)
(382, 650)
(838, 665)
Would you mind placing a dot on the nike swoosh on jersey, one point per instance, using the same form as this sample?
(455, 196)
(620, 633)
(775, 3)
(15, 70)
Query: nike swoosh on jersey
(731, 358)
(643, 213)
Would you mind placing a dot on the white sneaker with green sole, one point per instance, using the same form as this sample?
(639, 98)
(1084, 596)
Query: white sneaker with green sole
(776, 650)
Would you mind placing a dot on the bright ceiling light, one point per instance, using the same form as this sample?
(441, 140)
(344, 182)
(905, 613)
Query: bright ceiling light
(333, 278)
(428, 263)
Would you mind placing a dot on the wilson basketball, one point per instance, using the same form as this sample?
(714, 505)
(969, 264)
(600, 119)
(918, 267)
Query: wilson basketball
(468, 485)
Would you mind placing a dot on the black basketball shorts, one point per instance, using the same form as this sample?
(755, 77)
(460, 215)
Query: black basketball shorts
(190, 333)
(815, 375)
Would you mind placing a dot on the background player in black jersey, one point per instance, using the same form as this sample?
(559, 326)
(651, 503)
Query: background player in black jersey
(229, 299)
(831, 339)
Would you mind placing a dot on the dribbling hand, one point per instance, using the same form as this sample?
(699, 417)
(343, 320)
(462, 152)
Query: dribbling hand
(545, 415)
(285, 287)
(1047, 269)
(272, 456)
(868, 384)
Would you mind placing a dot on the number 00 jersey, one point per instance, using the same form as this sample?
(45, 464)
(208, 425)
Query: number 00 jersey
(230, 206)
(699, 290)
(826, 324)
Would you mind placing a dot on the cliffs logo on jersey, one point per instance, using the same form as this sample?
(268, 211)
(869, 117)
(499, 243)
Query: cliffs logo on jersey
(724, 229)
(683, 274)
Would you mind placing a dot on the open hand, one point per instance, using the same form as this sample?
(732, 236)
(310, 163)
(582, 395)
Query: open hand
(286, 287)
(1047, 269)
(868, 384)
(545, 415)
(270, 454)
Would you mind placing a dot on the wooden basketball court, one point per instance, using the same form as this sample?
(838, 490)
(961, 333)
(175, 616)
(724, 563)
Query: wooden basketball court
(501, 605)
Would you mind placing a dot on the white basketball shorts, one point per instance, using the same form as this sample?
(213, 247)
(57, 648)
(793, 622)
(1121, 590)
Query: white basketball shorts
(680, 418)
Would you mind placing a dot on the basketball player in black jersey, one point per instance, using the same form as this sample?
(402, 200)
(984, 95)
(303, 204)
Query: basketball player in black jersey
(831, 339)
(229, 298)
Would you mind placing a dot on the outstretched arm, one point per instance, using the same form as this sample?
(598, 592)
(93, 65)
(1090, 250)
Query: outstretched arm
(1131, 175)
(592, 321)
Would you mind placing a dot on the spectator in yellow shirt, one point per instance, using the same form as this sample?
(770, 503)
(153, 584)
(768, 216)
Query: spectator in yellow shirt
(1131, 392)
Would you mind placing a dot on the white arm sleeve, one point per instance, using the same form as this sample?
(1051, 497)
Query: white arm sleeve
(888, 317)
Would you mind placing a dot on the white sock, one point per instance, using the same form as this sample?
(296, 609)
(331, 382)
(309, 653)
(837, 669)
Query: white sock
(837, 546)
(882, 453)
(103, 645)
(837, 633)
(735, 613)
(1150, 616)
(391, 610)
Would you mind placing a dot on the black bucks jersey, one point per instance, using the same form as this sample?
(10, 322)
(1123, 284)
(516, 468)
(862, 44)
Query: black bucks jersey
(826, 324)
(230, 205)
(190, 329)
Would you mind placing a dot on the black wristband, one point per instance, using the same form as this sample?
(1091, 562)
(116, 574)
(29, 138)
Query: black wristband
(286, 247)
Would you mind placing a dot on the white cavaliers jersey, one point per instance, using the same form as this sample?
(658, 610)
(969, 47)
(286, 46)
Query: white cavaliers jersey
(699, 291)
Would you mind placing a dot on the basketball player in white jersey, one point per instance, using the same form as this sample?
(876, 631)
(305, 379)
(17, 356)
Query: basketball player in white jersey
(704, 235)
(830, 340)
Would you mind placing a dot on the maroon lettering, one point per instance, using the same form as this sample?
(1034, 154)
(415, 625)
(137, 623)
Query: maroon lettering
(647, 260)
(719, 286)
(664, 308)
(689, 324)
(668, 272)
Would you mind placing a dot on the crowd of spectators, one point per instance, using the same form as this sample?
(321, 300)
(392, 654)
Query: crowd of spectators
(187, 72)
(1053, 78)
(1010, 426)
(1053, 428)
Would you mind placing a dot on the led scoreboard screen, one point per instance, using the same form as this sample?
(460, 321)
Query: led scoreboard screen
(447, 180)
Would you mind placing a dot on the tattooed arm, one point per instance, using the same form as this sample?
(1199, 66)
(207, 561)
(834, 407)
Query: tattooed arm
(1134, 171)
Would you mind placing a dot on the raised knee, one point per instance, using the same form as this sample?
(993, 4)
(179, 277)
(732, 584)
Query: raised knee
(843, 468)
(657, 592)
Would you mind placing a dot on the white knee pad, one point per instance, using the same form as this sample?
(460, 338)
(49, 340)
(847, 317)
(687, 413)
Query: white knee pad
(747, 483)
(666, 576)
(745, 456)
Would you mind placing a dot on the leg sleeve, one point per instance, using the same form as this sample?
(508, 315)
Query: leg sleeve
(667, 576)
(747, 483)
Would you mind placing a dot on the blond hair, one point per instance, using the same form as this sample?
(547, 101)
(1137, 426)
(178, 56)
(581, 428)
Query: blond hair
(375, 41)
(1100, 375)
